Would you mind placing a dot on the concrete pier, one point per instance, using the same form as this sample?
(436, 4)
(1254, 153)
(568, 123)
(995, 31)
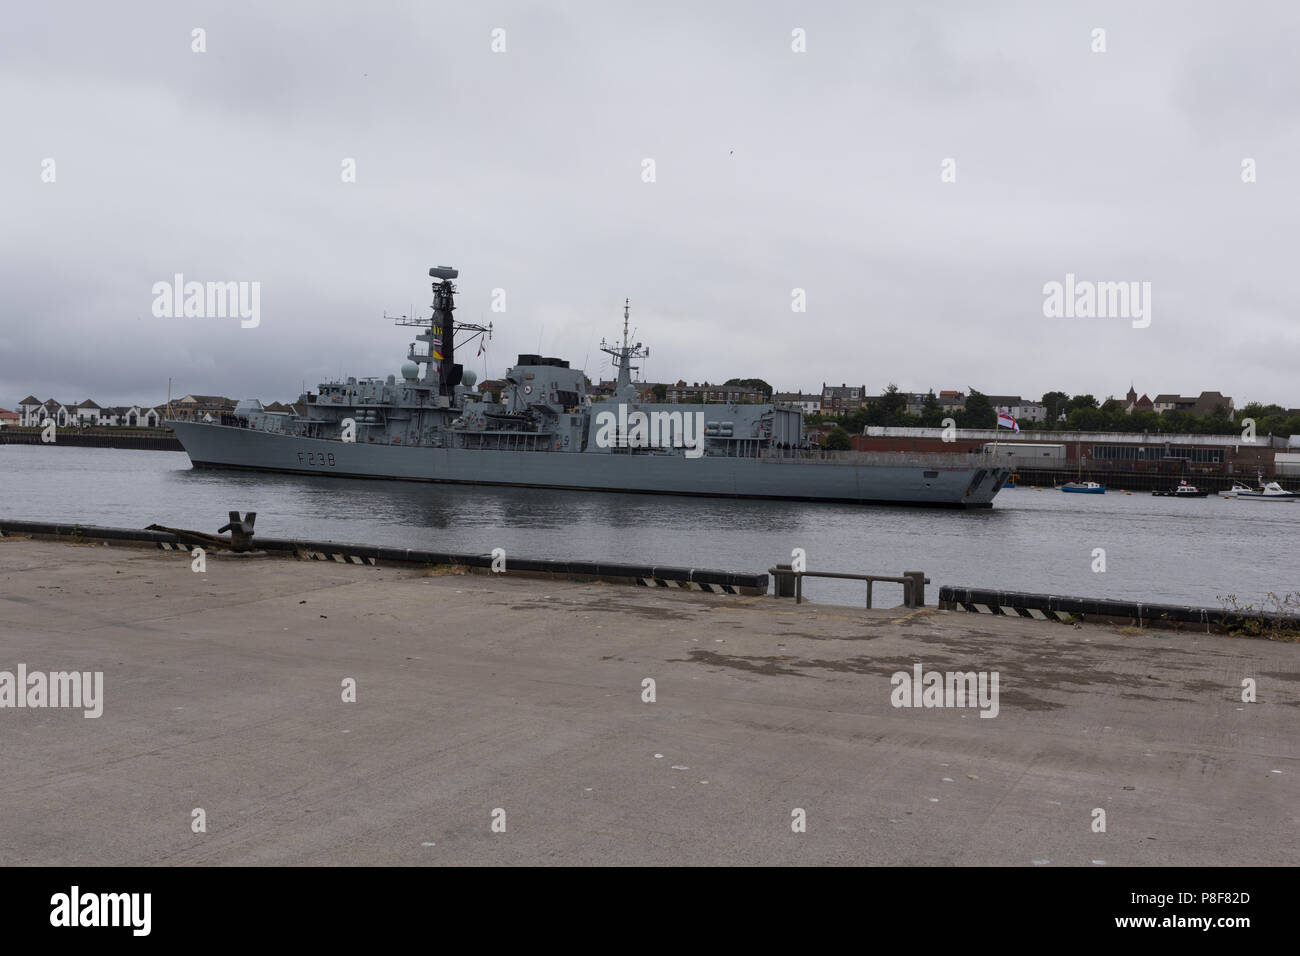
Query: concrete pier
(474, 693)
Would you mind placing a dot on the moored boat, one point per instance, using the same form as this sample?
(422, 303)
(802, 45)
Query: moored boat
(1184, 490)
(1236, 489)
(1271, 491)
(1084, 487)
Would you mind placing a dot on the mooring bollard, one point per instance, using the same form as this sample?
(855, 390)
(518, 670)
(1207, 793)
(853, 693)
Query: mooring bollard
(783, 583)
(916, 592)
(241, 531)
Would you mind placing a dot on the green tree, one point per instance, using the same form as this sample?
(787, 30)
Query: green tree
(838, 440)
(1218, 422)
(755, 383)
(979, 411)
(892, 406)
(1286, 427)
(1086, 419)
(660, 391)
(931, 413)
(1055, 402)
(1143, 421)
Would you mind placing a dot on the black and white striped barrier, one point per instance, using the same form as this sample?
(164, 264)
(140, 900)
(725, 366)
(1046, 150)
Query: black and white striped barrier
(336, 556)
(1055, 607)
(687, 585)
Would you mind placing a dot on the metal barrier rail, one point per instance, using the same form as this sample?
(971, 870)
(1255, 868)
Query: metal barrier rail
(899, 458)
(913, 583)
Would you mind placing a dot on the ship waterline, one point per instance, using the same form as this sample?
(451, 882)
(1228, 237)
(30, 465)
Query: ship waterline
(810, 476)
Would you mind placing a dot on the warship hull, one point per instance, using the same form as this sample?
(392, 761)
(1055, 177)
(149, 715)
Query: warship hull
(852, 479)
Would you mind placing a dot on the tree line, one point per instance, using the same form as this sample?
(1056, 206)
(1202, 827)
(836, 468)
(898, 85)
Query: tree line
(1066, 413)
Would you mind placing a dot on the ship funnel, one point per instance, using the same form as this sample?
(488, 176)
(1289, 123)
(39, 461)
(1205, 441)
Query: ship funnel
(444, 272)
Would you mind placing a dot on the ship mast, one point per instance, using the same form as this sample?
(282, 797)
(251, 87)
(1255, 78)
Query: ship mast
(441, 372)
(621, 356)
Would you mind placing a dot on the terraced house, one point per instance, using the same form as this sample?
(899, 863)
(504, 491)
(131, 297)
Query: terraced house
(842, 399)
(202, 408)
(33, 413)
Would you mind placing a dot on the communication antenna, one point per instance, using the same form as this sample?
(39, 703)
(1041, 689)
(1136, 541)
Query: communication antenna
(621, 355)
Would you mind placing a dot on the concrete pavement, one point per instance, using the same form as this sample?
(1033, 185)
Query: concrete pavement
(223, 691)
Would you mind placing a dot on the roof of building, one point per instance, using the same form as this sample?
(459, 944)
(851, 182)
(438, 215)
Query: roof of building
(30, 400)
(88, 403)
(1208, 401)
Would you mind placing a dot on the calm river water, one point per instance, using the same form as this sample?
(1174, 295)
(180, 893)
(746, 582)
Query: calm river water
(1156, 549)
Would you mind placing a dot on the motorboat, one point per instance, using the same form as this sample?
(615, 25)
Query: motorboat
(1237, 488)
(1084, 487)
(1271, 491)
(1184, 490)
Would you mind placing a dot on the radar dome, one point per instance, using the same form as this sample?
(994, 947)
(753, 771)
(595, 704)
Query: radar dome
(410, 371)
(468, 379)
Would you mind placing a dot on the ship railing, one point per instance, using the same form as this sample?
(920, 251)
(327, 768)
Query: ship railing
(906, 459)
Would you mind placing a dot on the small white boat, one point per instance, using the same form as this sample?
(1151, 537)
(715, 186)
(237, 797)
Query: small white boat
(1271, 491)
(1236, 489)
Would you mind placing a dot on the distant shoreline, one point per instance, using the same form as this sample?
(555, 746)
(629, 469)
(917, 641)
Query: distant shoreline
(140, 439)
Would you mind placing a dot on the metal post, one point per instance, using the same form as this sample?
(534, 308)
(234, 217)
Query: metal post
(917, 588)
(869, 582)
(784, 581)
(798, 587)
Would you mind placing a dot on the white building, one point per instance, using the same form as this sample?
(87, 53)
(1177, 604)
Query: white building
(33, 413)
(810, 404)
(1022, 410)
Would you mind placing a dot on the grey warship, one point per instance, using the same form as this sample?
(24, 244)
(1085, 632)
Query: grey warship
(545, 431)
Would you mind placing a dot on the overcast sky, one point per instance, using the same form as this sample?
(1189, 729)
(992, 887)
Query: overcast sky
(774, 170)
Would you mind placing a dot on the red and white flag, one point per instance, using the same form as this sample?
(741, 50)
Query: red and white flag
(1006, 421)
(482, 346)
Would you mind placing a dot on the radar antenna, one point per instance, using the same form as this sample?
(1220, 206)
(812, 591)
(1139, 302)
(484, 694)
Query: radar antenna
(441, 372)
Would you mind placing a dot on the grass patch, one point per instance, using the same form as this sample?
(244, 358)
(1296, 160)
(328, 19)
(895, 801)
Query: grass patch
(442, 570)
